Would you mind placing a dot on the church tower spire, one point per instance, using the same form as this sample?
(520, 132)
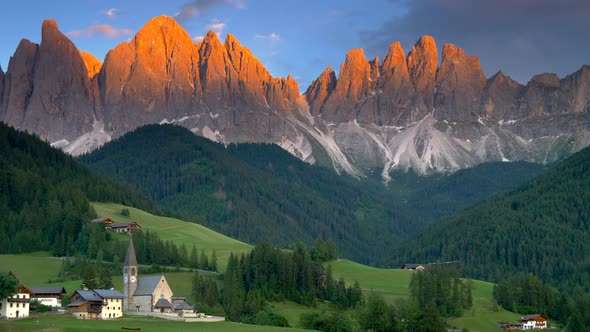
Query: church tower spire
(130, 277)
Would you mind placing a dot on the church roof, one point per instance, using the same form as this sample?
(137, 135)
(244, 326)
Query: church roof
(183, 306)
(130, 259)
(147, 285)
(163, 303)
(55, 290)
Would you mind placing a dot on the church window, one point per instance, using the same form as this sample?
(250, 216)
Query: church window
(132, 271)
(125, 270)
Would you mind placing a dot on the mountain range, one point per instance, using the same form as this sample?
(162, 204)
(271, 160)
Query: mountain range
(400, 113)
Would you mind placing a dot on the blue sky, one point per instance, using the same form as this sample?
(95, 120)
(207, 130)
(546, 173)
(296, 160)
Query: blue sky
(522, 37)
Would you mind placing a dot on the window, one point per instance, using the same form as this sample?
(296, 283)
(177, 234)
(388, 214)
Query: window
(125, 270)
(11, 304)
(132, 271)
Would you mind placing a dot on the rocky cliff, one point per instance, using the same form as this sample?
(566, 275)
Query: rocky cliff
(406, 111)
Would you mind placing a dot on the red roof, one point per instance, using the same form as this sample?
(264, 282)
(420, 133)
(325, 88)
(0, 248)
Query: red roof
(533, 317)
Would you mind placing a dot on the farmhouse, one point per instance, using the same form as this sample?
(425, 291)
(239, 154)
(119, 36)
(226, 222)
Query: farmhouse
(536, 321)
(417, 267)
(16, 305)
(96, 304)
(149, 293)
(125, 227)
(49, 296)
(106, 221)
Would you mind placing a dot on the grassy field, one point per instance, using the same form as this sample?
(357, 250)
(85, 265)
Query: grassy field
(37, 269)
(394, 284)
(178, 231)
(65, 323)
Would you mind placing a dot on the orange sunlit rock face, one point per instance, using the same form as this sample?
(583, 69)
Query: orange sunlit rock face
(459, 84)
(92, 63)
(422, 66)
(318, 91)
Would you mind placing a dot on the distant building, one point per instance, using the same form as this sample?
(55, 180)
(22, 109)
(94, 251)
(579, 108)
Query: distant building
(16, 305)
(106, 221)
(49, 296)
(418, 267)
(96, 304)
(125, 227)
(535, 321)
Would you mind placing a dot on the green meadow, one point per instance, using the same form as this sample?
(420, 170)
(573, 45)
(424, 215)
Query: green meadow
(177, 231)
(64, 323)
(38, 269)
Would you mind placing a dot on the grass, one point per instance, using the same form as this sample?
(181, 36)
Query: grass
(65, 323)
(394, 284)
(177, 231)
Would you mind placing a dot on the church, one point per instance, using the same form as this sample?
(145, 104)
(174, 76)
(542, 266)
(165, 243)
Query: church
(145, 294)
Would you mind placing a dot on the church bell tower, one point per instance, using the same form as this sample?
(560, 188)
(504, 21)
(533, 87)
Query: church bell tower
(130, 278)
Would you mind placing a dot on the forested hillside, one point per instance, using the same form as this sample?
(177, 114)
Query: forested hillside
(541, 227)
(272, 197)
(44, 195)
(259, 192)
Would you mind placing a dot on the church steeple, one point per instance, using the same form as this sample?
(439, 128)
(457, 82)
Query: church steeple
(130, 259)
(130, 277)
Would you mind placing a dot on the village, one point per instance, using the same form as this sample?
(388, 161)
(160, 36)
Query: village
(141, 296)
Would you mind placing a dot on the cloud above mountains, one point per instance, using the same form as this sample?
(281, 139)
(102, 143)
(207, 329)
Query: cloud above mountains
(194, 8)
(522, 37)
(100, 29)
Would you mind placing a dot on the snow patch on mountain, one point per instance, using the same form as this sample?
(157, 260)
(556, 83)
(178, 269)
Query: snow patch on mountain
(87, 142)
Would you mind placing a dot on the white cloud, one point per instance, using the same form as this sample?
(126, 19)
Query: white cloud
(100, 29)
(194, 8)
(198, 39)
(112, 13)
(272, 36)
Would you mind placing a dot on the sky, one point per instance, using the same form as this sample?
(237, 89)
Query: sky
(520, 37)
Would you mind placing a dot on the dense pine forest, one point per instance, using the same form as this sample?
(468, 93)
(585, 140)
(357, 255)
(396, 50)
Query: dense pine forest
(259, 192)
(542, 227)
(45, 194)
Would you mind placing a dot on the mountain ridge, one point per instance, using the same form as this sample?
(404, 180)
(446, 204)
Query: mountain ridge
(400, 113)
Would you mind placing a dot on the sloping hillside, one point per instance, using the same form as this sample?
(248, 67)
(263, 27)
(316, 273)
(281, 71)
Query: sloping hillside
(44, 195)
(541, 227)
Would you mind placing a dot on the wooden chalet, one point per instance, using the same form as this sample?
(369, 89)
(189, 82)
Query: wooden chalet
(85, 304)
(533, 322)
(106, 221)
(125, 227)
(416, 267)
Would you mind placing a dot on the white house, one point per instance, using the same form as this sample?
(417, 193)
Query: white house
(49, 296)
(16, 305)
(536, 321)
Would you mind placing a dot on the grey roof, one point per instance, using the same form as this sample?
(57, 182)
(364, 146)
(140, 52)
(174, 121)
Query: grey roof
(147, 285)
(89, 295)
(183, 306)
(178, 298)
(109, 294)
(163, 303)
(50, 290)
(130, 259)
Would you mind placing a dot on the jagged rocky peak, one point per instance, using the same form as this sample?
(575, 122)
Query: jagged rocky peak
(19, 83)
(352, 86)
(459, 84)
(422, 67)
(395, 58)
(61, 100)
(319, 90)
(499, 98)
(92, 63)
(549, 80)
